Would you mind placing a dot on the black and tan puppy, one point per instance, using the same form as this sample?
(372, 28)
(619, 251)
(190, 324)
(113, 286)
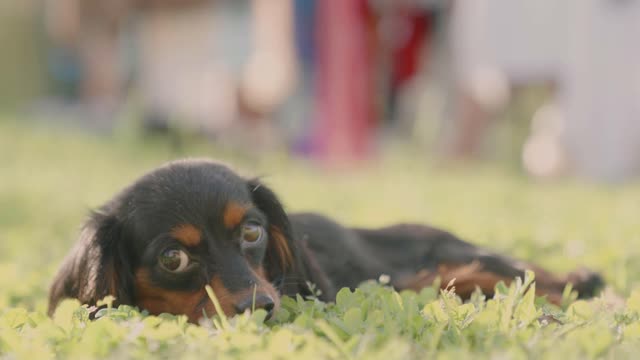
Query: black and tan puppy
(192, 223)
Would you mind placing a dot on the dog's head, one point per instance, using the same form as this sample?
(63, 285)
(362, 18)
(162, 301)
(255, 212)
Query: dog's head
(179, 228)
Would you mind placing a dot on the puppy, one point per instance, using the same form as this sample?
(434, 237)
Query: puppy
(192, 223)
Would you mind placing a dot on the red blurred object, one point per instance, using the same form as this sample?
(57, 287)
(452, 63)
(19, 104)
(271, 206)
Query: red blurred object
(351, 53)
(409, 49)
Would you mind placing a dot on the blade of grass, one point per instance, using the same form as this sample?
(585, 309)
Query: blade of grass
(253, 301)
(224, 322)
(334, 338)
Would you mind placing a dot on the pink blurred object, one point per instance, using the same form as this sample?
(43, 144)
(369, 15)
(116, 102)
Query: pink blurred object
(345, 118)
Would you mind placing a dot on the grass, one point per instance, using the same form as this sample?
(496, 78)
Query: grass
(49, 178)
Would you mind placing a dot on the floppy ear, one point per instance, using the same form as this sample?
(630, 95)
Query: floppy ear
(96, 267)
(280, 250)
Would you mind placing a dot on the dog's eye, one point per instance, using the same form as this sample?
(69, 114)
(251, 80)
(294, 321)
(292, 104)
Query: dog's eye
(251, 232)
(174, 260)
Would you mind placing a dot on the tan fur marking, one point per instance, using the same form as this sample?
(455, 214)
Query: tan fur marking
(157, 300)
(467, 277)
(187, 234)
(112, 279)
(278, 243)
(233, 214)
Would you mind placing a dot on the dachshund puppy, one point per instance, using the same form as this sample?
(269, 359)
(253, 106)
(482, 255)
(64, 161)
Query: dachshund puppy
(192, 223)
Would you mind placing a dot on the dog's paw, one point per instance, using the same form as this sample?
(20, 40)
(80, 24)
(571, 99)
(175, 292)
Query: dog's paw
(586, 282)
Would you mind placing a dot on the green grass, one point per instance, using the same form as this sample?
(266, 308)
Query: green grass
(50, 178)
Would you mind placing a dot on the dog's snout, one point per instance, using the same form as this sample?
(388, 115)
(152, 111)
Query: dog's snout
(262, 301)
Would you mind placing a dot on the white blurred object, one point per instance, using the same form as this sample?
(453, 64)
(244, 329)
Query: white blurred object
(489, 87)
(588, 48)
(181, 68)
(523, 39)
(543, 155)
(601, 88)
(269, 75)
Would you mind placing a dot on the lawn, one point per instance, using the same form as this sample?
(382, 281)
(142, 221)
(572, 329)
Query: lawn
(50, 177)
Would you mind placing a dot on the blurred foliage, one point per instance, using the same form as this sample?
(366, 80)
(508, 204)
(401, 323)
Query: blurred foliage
(50, 177)
(372, 322)
(22, 63)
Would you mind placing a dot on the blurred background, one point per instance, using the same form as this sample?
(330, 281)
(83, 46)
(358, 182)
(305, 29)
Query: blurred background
(546, 88)
(514, 124)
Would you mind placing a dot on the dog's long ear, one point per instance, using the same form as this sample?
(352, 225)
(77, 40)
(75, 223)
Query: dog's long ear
(281, 249)
(96, 267)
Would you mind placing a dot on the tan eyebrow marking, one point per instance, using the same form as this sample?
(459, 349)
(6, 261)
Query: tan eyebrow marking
(187, 234)
(233, 214)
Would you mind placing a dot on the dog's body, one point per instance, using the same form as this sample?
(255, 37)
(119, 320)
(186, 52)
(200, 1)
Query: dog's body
(194, 223)
(414, 256)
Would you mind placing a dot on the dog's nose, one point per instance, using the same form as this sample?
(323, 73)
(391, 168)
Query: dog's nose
(261, 302)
